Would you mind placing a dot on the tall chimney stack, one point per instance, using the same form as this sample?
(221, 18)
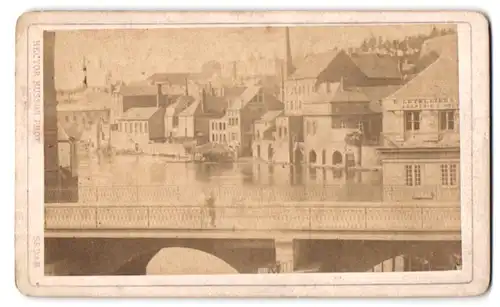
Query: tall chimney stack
(288, 57)
(158, 95)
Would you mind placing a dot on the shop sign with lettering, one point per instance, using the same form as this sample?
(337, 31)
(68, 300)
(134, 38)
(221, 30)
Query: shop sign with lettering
(436, 103)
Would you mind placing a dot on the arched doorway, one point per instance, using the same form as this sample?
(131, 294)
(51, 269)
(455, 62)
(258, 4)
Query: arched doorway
(298, 156)
(182, 261)
(269, 152)
(312, 157)
(336, 157)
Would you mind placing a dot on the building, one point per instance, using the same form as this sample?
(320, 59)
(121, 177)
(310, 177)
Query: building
(331, 117)
(172, 116)
(421, 148)
(136, 128)
(218, 130)
(243, 111)
(195, 120)
(264, 136)
(314, 80)
(92, 114)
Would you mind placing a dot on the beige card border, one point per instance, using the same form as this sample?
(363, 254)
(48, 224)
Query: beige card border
(474, 103)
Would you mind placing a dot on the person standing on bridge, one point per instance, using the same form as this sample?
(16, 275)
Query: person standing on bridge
(210, 204)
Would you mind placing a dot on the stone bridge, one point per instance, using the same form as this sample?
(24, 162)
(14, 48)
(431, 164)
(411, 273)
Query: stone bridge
(122, 238)
(366, 220)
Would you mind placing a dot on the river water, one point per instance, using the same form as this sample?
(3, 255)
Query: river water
(245, 181)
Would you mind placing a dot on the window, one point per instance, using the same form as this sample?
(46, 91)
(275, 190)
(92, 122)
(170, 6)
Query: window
(224, 138)
(447, 120)
(146, 125)
(175, 121)
(342, 124)
(236, 120)
(314, 127)
(360, 126)
(412, 120)
(66, 118)
(220, 126)
(285, 132)
(413, 176)
(213, 126)
(449, 174)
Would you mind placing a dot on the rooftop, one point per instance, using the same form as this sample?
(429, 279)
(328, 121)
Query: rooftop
(313, 65)
(241, 101)
(439, 79)
(172, 78)
(270, 115)
(377, 66)
(139, 113)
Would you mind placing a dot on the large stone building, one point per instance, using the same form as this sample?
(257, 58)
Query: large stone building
(420, 156)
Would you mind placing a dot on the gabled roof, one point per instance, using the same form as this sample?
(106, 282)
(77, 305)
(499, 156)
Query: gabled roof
(377, 66)
(139, 113)
(268, 133)
(378, 92)
(439, 79)
(270, 115)
(313, 65)
(180, 104)
(172, 78)
(191, 109)
(241, 101)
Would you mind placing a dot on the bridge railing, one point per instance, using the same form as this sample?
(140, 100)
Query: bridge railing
(382, 217)
(230, 194)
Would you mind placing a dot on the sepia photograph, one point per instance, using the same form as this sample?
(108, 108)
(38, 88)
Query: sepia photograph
(251, 149)
(245, 156)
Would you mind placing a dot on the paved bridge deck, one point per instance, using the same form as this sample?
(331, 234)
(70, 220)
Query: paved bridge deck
(309, 219)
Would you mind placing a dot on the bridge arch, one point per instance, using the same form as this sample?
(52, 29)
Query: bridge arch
(182, 261)
(202, 252)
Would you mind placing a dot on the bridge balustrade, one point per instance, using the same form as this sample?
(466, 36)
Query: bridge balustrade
(302, 216)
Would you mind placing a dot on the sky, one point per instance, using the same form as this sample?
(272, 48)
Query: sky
(134, 54)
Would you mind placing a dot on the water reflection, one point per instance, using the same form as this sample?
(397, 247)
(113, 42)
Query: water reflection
(229, 182)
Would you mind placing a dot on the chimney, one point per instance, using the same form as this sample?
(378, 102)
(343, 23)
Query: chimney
(158, 95)
(234, 72)
(202, 103)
